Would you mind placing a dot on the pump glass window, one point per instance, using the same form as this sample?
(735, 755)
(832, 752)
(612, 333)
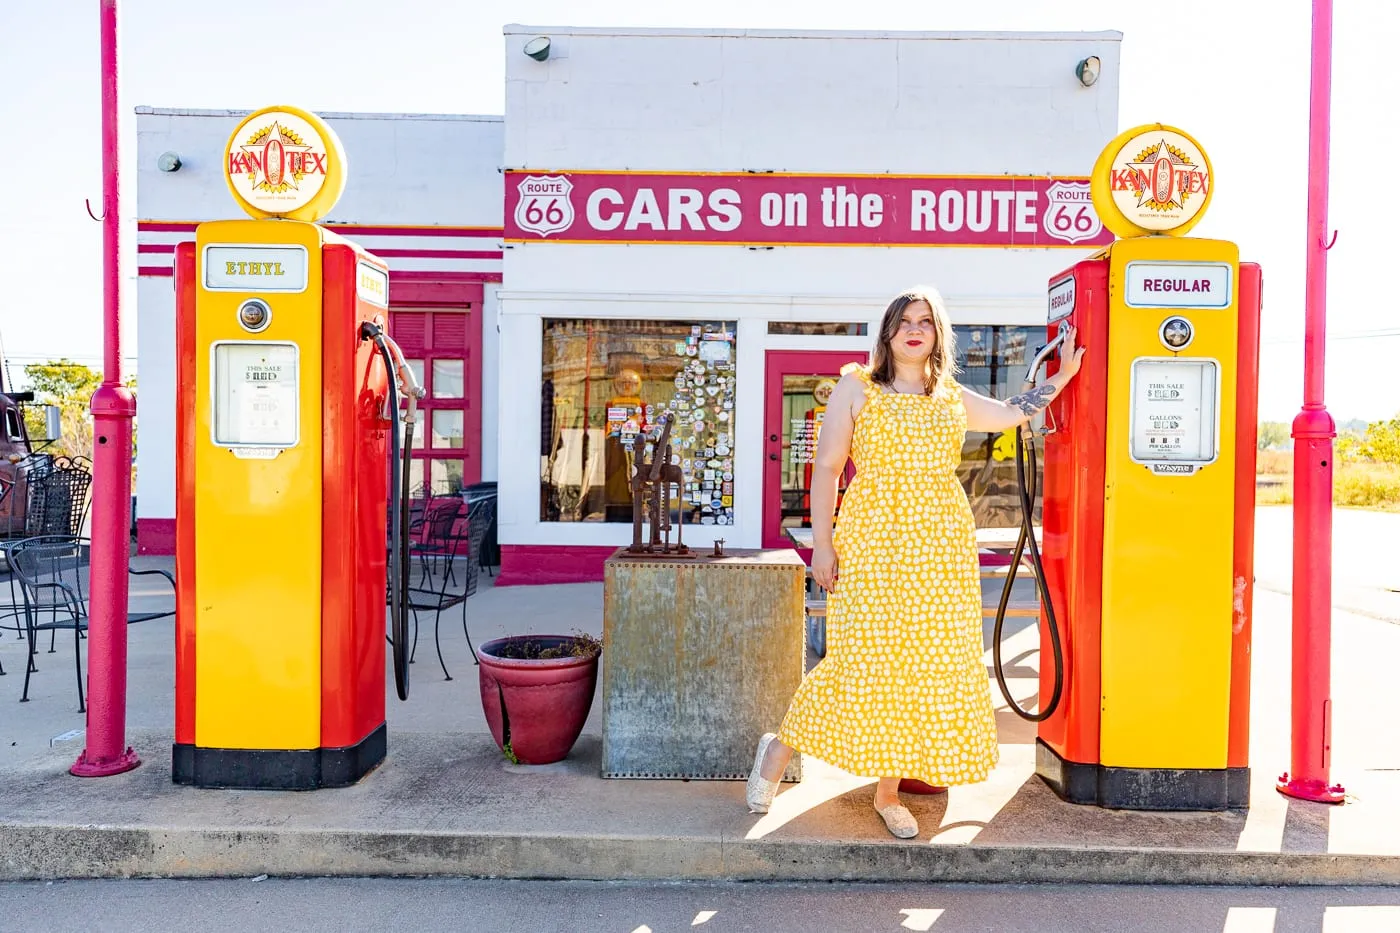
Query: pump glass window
(993, 360)
(606, 386)
(255, 394)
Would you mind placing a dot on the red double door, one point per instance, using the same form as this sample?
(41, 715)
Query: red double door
(797, 384)
(442, 346)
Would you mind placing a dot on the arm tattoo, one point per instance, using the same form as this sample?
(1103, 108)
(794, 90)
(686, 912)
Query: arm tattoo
(1032, 401)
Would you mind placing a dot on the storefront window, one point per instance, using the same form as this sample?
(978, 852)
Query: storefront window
(818, 329)
(993, 361)
(606, 387)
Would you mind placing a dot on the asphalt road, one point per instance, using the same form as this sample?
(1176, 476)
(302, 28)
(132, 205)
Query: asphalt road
(340, 906)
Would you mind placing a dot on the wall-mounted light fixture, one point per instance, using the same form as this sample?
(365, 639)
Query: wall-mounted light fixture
(1087, 71)
(169, 162)
(538, 48)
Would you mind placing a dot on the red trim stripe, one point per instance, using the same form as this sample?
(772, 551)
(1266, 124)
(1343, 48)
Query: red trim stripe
(404, 275)
(429, 275)
(370, 230)
(439, 253)
(409, 253)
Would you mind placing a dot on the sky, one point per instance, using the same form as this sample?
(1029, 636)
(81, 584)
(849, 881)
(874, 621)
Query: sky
(1233, 73)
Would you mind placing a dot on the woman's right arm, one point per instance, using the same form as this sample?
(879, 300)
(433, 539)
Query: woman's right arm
(833, 450)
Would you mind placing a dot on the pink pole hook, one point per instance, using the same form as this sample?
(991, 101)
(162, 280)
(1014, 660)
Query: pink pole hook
(1332, 242)
(87, 202)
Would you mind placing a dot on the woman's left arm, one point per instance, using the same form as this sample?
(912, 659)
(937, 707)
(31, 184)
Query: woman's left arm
(993, 416)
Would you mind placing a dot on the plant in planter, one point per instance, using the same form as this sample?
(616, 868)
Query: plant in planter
(536, 691)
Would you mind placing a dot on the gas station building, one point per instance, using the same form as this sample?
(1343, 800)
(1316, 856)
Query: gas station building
(661, 219)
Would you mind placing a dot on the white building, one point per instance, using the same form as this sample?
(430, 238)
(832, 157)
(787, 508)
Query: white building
(703, 221)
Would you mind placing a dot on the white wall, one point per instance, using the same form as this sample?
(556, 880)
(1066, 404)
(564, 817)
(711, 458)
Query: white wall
(826, 103)
(403, 168)
(416, 170)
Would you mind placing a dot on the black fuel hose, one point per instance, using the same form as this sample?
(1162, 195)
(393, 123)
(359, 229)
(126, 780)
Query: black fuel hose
(1025, 485)
(401, 449)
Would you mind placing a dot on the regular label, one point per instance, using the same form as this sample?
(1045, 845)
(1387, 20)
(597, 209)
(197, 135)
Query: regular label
(255, 395)
(1178, 284)
(1061, 299)
(1174, 418)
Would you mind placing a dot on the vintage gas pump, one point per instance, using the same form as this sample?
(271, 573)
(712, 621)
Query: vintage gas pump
(288, 444)
(1148, 510)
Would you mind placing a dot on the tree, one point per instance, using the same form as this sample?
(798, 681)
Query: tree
(1273, 434)
(70, 386)
(1382, 442)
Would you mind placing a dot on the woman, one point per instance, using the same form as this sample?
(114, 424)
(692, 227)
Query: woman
(902, 691)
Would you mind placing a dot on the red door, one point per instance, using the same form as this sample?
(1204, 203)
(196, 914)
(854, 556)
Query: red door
(796, 386)
(438, 345)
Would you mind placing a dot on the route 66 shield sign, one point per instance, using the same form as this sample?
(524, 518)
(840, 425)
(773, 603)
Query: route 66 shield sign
(1070, 215)
(544, 206)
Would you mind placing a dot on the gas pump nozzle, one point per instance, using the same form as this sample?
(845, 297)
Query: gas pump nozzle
(1038, 423)
(1025, 483)
(401, 379)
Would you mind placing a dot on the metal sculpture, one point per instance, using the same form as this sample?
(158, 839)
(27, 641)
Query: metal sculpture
(651, 493)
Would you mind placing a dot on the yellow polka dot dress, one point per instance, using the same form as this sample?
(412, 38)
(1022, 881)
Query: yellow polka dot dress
(903, 690)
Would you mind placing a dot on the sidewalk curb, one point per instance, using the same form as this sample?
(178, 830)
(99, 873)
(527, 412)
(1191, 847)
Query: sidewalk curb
(48, 852)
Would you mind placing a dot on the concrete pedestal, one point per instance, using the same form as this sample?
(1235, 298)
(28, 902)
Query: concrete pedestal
(701, 657)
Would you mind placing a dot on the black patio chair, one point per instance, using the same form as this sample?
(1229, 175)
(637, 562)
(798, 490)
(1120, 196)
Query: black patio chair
(53, 574)
(490, 551)
(437, 527)
(462, 542)
(58, 498)
(55, 490)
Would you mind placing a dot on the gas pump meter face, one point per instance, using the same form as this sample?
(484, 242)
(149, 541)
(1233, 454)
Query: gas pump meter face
(1174, 422)
(256, 391)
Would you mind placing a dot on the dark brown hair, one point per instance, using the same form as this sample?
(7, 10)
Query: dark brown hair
(942, 362)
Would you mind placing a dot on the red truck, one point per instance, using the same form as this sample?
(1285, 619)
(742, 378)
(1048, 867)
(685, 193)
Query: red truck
(17, 459)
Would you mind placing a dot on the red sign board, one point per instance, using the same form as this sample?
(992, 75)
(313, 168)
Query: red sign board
(801, 210)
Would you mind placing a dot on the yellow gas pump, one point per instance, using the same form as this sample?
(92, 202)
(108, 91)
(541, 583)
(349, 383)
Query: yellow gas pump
(287, 412)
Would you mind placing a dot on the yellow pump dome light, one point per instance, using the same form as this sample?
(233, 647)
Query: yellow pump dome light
(1152, 179)
(285, 162)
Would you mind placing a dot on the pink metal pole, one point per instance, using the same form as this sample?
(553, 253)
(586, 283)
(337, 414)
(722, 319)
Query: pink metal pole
(113, 408)
(1313, 431)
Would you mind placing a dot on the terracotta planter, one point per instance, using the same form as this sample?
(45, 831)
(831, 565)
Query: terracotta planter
(546, 702)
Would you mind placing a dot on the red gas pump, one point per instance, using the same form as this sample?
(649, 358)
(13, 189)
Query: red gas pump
(1145, 568)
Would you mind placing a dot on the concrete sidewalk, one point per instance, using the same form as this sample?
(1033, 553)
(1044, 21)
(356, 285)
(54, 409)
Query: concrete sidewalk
(447, 803)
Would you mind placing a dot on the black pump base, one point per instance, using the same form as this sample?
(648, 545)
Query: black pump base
(275, 769)
(1142, 788)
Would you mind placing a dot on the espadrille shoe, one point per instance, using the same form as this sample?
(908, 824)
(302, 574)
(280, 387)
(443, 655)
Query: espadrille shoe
(760, 790)
(899, 821)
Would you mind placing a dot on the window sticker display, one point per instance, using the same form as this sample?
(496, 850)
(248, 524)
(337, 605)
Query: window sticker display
(607, 384)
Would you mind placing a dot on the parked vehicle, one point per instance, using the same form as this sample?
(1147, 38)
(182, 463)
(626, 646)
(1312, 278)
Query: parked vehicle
(18, 458)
